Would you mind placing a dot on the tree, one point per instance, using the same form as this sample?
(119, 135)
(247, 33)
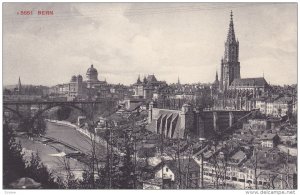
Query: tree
(69, 182)
(36, 170)
(33, 127)
(7, 92)
(127, 175)
(13, 163)
(63, 113)
(39, 126)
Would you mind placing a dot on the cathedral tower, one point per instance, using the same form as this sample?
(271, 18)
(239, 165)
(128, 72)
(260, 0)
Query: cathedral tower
(19, 87)
(230, 65)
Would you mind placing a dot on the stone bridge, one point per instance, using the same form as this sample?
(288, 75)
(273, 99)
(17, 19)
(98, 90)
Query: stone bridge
(31, 110)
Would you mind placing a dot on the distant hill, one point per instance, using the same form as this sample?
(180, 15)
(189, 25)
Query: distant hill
(10, 87)
(14, 86)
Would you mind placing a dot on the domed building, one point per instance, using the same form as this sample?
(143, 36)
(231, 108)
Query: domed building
(75, 87)
(79, 88)
(79, 78)
(92, 78)
(73, 79)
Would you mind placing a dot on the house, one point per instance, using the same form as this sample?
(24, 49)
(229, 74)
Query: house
(187, 176)
(238, 158)
(275, 106)
(269, 140)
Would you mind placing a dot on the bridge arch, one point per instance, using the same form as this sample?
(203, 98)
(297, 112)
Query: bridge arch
(40, 112)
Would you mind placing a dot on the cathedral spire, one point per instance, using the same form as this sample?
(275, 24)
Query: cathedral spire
(231, 34)
(230, 66)
(217, 76)
(19, 86)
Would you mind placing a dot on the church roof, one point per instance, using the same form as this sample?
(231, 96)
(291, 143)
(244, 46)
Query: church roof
(257, 82)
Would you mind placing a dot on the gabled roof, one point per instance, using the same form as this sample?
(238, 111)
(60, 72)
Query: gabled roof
(185, 165)
(240, 155)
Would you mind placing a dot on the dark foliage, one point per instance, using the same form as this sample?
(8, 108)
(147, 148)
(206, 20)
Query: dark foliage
(34, 127)
(63, 113)
(39, 172)
(39, 126)
(127, 175)
(15, 167)
(13, 163)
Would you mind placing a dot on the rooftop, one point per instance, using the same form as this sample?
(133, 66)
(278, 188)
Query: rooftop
(239, 155)
(258, 82)
(267, 136)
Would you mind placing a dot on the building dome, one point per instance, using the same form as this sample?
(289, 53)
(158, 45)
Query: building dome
(74, 78)
(79, 78)
(92, 70)
(92, 74)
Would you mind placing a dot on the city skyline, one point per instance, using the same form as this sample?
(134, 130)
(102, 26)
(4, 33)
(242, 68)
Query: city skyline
(188, 46)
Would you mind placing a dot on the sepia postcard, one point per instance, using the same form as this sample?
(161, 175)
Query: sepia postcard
(150, 96)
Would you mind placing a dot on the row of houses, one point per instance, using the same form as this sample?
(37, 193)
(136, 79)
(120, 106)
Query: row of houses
(277, 106)
(239, 171)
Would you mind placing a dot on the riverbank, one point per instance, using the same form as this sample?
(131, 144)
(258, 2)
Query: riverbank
(52, 155)
(84, 132)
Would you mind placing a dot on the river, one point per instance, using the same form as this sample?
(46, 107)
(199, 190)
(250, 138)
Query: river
(52, 154)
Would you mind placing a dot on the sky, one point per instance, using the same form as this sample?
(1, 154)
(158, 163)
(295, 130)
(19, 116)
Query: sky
(124, 40)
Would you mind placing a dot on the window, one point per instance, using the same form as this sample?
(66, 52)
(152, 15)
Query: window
(167, 169)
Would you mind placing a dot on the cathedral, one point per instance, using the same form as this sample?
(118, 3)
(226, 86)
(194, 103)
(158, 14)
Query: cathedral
(232, 91)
